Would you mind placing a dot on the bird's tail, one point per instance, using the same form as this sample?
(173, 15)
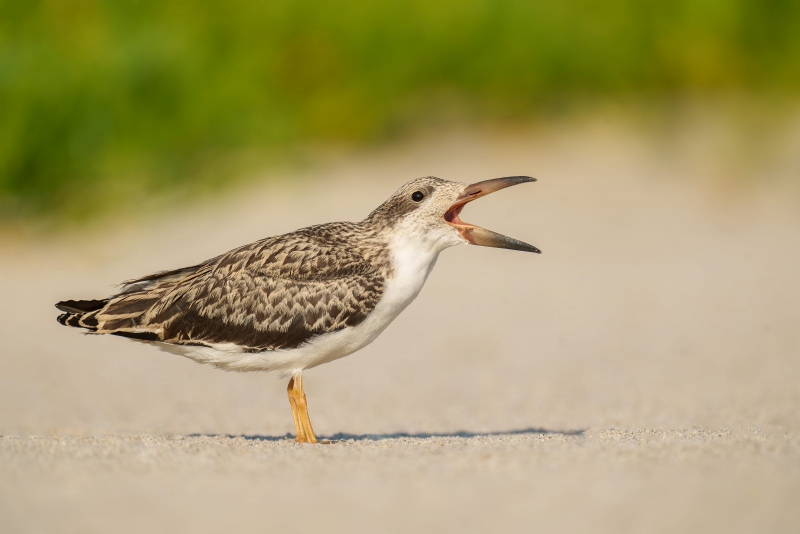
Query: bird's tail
(124, 314)
(80, 313)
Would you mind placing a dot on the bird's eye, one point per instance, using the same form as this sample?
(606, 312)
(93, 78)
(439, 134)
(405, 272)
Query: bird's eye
(417, 196)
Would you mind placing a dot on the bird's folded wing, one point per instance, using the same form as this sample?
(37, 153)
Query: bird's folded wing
(277, 293)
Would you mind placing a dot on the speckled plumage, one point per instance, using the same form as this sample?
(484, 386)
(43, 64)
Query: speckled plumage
(276, 293)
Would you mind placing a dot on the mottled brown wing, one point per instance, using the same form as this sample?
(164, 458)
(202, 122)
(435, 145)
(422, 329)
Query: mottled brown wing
(277, 293)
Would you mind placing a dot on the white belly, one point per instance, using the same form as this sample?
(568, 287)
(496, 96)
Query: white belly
(412, 265)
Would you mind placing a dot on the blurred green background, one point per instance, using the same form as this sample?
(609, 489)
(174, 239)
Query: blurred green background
(106, 103)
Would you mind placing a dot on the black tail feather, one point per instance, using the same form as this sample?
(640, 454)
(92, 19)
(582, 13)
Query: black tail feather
(81, 306)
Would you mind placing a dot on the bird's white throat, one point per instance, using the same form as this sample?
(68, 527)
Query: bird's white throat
(412, 261)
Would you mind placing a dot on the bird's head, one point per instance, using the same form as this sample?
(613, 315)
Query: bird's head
(427, 209)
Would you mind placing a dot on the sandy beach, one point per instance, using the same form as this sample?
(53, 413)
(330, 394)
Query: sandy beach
(641, 375)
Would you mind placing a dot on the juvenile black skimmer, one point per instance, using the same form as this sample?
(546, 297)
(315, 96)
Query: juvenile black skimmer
(298, 300)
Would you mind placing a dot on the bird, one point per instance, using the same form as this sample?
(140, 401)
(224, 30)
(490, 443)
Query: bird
(295, 301)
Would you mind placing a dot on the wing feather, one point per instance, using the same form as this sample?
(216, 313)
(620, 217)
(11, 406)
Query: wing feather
(277, 293)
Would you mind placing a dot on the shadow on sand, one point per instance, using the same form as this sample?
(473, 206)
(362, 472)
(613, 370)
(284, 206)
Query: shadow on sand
(399, 435)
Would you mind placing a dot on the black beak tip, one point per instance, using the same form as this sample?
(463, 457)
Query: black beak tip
(520, 179)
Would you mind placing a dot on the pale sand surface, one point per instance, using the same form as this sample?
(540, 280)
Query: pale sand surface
(641, 375)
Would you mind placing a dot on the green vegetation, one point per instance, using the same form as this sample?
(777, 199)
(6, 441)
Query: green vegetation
(119, 99)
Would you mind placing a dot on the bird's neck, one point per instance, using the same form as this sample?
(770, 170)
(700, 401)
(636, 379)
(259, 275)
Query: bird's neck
(412, 260)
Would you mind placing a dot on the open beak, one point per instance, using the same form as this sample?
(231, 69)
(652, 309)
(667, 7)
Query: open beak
(480, 236)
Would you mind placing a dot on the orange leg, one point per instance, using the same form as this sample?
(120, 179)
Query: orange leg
(297, 398)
